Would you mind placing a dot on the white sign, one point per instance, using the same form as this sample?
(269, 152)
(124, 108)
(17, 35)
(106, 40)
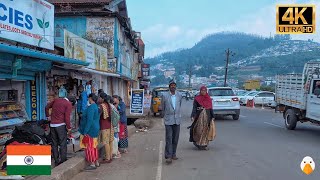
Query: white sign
(137, 100)
(28, 21)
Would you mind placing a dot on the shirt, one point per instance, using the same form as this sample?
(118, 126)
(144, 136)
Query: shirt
(173, 100)
(61, 112)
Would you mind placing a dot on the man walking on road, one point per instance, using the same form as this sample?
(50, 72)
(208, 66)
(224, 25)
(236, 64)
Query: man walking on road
(171, 106)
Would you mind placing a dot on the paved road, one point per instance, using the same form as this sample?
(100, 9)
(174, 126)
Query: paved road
(257, 147)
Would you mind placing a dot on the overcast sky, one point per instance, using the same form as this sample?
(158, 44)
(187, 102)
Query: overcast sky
(167, 25)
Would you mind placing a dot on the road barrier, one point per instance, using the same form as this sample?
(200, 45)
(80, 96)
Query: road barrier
(250, 103)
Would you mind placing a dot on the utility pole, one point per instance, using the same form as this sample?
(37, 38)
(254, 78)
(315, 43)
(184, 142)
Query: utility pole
(228, 53)
(190, 74)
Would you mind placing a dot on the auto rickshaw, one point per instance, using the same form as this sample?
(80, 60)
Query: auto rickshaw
(156, 99)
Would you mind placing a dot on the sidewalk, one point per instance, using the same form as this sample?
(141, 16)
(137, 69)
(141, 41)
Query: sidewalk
(72, 166)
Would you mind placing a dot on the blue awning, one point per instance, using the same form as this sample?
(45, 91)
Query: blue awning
(6, 48)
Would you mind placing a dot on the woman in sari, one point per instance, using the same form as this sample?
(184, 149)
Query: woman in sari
(202, 115)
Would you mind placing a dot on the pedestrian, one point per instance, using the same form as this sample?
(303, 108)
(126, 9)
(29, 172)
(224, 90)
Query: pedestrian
(89, 130)
(106, 128)
(171, 112)
(100, 91)
(123, 134)
(82, 103)
(202, 115)
(60, 126)
(115, 118)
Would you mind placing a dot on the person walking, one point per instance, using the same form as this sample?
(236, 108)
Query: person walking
(82, 103)
(123, 134)
(89, 130)
(60, 126)
(106, 129)
(171, 109)
(202, 117)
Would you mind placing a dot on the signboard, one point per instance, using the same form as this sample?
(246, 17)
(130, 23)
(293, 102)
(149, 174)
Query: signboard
(147, 101)
(145, 69)
(136, 104)
(34, 111)
(28, 21)
(78, 48)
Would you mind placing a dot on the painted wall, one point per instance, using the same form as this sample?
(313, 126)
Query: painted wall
(76, 25)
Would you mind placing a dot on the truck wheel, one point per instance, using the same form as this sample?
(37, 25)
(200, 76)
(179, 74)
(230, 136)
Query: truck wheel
(235, 116)
(291, 119)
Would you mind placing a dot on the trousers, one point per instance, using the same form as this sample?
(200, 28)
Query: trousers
(172, 138)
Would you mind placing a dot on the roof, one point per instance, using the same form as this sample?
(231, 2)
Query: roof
(79, 1)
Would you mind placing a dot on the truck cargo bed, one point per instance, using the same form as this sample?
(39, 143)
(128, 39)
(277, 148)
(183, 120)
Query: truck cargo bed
(290, 91)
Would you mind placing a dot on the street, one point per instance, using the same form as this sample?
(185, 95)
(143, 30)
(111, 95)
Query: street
(256, 147)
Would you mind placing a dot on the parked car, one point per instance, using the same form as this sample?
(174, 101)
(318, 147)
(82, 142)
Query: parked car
(225, 102)
(264, 98)
(249, 95)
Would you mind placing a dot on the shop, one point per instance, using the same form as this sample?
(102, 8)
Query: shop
(23, 85)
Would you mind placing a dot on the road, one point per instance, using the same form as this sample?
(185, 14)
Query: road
(256, 147)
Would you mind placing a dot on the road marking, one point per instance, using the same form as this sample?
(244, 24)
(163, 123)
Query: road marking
(243, 116)
(159, 169)
(273, 125)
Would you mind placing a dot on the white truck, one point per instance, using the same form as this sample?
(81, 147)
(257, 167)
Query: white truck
(297, 95)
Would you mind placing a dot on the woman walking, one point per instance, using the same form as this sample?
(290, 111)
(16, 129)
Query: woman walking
(106, 129)
(89, 130)
(202, 117)
(123, 134)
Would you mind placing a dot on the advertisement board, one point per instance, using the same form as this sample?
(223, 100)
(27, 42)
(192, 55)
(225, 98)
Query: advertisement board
(137, 101)
(28, 21)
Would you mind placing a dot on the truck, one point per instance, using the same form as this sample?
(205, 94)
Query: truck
(297, 95)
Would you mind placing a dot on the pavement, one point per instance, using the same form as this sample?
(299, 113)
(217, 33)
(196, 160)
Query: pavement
(256, 147)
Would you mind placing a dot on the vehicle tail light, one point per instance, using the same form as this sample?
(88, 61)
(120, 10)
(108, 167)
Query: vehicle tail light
(235, 99)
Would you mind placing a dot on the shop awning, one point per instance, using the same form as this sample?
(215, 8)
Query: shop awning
(84, 69)
(6, 48)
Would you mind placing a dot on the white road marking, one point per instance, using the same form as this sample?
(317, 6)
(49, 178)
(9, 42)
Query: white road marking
(243, 116)
(159, 169)
(273, 125)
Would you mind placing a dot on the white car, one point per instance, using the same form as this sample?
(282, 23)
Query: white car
(264, 98)
(248, 96)
(225, 102)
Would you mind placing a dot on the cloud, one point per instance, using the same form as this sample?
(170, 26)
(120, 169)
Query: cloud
(161, 38)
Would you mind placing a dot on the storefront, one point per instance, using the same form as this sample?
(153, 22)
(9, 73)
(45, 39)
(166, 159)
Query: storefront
(23, 85)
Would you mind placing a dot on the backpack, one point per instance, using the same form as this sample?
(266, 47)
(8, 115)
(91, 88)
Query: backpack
(115, 116)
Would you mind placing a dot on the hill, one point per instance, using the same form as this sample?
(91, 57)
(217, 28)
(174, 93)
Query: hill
(273, 55)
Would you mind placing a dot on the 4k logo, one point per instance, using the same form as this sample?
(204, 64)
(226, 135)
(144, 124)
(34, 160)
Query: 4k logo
(296, 19)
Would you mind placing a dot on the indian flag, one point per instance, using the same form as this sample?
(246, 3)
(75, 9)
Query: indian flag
(28, 160)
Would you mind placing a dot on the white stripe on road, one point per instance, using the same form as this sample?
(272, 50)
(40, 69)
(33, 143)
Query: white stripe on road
(273, 125)
(243, 116)
(159, 169)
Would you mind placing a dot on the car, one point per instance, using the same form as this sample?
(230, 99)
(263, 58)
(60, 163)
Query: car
(264, 98)
(245, 97)
(225, 102)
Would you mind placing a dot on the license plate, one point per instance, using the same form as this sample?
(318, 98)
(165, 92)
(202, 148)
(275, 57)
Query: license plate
(223, 102)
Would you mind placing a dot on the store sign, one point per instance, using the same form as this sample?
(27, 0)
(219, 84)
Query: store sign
(34, 112)
(28, 21)
(145, 69)
(76, 47)
(137, 101)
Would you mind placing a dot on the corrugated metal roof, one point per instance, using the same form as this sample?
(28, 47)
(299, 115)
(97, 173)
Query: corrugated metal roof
(78, 1)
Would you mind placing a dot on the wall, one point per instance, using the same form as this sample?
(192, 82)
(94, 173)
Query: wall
(102, 29)
(76, 25)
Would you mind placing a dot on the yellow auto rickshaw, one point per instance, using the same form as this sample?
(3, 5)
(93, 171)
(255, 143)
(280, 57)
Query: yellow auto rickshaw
(156, 99)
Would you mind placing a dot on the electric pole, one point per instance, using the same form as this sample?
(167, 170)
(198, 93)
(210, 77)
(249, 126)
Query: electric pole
(190, 74)
(228, 53)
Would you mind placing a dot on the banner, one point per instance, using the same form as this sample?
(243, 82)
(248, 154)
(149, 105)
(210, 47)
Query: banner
(78, 48)
(28, 21)
(136, 104)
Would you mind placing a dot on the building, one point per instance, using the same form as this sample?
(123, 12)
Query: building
(105, 23)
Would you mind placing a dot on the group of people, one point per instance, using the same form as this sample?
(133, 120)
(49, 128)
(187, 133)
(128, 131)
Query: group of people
(202, 129)
(102, 120)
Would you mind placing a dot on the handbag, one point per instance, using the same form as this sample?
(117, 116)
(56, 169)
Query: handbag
(212, 131)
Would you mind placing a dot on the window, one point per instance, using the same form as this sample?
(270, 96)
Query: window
(221, 92)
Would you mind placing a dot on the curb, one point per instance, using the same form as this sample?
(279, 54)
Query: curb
(74, 165)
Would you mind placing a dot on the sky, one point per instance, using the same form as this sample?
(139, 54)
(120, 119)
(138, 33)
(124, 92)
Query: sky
(168, 25)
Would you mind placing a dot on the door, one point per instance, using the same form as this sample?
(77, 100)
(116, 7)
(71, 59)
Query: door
(258, 98)
(313, 103)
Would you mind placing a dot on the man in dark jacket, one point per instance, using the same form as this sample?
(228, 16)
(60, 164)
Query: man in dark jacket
(60, 126)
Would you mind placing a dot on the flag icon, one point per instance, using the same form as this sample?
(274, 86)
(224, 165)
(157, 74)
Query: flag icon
(28, 160)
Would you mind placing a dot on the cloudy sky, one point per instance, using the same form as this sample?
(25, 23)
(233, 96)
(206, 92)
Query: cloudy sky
(168, 25)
